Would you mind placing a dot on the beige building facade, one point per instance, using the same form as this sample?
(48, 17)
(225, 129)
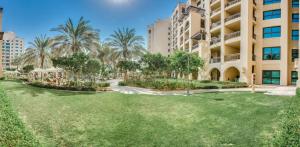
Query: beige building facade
(240, 40)
(253, 37)
(159, 35)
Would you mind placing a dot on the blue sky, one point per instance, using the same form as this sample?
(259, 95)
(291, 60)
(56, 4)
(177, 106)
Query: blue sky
(30, 18)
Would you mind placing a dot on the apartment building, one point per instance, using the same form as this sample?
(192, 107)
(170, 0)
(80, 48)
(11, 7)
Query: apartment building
(159, 37)
(12, 47)
(240, 40)
(1, 38)
(253, 37)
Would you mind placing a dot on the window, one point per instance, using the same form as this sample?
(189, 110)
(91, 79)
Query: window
(295, 3)
(272, 32)
(271, 53)
(271, 77)
(272, 14)
(295, 35)
(294, 77)
(267, 2)
(295, 54)
(295, 17)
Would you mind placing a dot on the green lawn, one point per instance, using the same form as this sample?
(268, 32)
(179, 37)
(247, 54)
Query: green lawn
(59, 118)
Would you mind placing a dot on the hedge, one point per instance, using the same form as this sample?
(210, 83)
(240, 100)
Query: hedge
(164, 84)
(12, 130)
(98, 87)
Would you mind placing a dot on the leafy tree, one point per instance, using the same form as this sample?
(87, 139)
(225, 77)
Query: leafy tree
(127, 43)
(126, 66)
(153, 63)
(74, 38)
(92, 69)
(39, 53)
(179, 62)
(73, 64)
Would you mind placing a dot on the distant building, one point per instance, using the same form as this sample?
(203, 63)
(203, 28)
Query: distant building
(159, 37)
(12, 47)
(1, 38)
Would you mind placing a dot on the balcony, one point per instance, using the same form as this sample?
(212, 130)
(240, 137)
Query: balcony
(232, 57)
(231, 3)
(215, 40)
(214, 25)
(213, 12)
(233, 35)
(195, 46)
(232, 17)
(215, 60)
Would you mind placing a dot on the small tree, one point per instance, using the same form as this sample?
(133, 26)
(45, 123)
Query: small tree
(186, 63)
(153, 64)
(92, 69)
(126, 66)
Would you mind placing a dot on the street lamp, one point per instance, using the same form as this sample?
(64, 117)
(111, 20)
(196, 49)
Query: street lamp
(188, 88)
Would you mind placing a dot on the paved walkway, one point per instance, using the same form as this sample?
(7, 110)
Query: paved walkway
(268, 90)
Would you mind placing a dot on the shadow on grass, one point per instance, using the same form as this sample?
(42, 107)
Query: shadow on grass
(36, 91)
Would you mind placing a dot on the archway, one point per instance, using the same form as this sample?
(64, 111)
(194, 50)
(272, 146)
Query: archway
(232, 74)
(215, 74)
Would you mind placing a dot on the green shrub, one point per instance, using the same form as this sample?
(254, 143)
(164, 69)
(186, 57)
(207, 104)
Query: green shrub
(171, 84)
(2, 78)
(103, 84)
(70, 88)
(12, 130)
(122, 83)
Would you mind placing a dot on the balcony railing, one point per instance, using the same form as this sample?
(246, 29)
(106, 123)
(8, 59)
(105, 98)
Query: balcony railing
(232, 3)
(215, 11)
(232, 57)
(187, 27)
(212, 1)
(214, 25)
(215, 60)
(231, 17)
(215, 41)
(195, 46)
(232, 35)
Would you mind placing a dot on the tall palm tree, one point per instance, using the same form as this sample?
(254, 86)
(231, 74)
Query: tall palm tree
(106, 54)
(127, 43)
(39, 53)
(74, 38)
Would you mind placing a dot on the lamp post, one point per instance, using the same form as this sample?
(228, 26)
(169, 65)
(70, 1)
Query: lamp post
(188, 89)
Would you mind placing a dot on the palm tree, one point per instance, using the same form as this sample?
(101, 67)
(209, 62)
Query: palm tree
(106, 54)
(127, 43)
(74, 38)
(39, 53)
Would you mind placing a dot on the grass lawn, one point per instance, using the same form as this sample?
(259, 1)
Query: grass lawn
(58, 118)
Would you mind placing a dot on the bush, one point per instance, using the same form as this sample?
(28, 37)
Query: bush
(163, 84)
(2, 78)
(71, 88)
(122, 83)
(103, 85)
(13, 131)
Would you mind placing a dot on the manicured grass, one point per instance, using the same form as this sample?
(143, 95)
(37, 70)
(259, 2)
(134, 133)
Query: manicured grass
(59, 118)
